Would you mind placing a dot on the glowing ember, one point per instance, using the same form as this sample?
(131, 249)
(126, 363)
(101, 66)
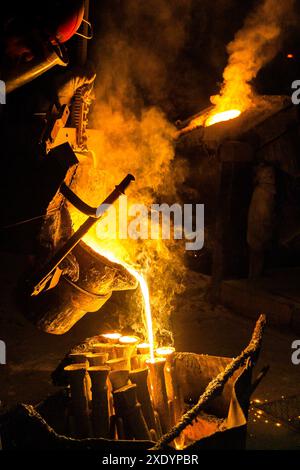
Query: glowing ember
(128, 339)
(164, 351)
(220, 117)
(112, 336)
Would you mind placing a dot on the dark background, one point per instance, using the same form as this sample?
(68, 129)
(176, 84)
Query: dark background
(190, 70)
(190, 65)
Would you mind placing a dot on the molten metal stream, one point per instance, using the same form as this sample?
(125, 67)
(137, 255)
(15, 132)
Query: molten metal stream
(146, 296)
(142, 282)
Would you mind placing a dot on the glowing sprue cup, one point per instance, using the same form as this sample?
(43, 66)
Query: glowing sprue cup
(164, 351)
(111, 337)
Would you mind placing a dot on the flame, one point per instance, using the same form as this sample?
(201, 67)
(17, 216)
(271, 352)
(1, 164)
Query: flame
(220, 117)
(212, 118)
(253, 46)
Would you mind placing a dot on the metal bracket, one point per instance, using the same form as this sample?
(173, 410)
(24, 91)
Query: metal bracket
(56, 120)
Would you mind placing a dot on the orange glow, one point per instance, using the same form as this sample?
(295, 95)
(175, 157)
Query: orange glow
(128, 339)
(143, 346)
(212, 118)
(253, 46)
(148, 314)
(165, 351)
(155, 360)
(113, 336)
(220, 117)
(93, 243)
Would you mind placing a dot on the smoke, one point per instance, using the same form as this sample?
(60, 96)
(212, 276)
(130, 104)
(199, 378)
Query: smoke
(147, 54)
(254, 46)
(140, 45)
(135, 137)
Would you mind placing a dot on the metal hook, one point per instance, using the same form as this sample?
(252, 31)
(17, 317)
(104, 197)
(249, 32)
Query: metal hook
(91, 31)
